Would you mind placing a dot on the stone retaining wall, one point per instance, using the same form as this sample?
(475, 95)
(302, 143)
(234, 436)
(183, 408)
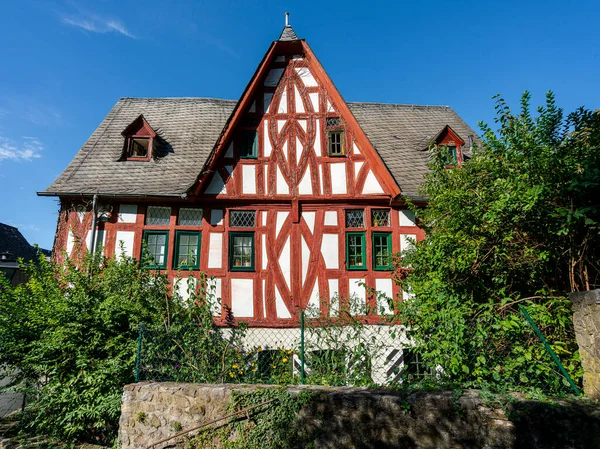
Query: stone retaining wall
(359, 418)
(586, 318)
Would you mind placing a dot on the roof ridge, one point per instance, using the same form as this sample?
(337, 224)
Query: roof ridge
(178, 98)
(404, 105)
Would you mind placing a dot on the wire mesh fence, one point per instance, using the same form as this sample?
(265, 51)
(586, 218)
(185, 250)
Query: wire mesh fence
(348, 351)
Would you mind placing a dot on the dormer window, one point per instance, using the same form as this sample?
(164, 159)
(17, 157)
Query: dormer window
(138, 147)
(449, 144)
(139, 141)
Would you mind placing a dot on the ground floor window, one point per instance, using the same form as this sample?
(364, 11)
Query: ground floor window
(241, 251)
(157, 246)
(356, 251)
(382, 251)
(187, 250)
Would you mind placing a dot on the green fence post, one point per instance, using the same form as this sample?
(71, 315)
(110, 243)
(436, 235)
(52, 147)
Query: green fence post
(550, 351)
(302, 347)
(139, 353)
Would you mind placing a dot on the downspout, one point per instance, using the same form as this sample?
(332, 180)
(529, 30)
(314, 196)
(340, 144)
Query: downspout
(94, 223)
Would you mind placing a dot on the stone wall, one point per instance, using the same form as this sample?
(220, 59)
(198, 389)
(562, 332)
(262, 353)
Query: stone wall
(586, 318)
(359, 418)
(9, 401)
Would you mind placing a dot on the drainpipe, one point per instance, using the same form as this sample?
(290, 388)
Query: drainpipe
(94, 223)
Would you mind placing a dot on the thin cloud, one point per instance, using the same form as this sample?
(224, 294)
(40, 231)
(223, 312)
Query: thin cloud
(28, 149)
(96, 24)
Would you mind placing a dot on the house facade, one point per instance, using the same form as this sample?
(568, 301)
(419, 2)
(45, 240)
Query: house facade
(288, 198)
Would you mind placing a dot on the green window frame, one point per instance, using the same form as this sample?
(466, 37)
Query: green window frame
(453, 155)
(153, 243)
(241, 251)
(356, 251)
(185, 247)
(248, 144)
(382, 251)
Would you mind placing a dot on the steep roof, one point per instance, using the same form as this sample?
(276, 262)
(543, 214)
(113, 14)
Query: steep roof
(191, 126)
(13, 242)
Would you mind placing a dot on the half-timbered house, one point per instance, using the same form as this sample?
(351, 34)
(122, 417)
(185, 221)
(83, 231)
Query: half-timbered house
(288, 197)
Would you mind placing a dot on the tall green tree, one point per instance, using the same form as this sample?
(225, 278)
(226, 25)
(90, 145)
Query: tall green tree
(69, 335)
(516, 224)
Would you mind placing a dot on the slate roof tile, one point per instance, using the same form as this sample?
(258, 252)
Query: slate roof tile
(191, 127)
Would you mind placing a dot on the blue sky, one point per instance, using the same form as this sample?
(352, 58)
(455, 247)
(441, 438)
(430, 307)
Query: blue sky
(65, 63)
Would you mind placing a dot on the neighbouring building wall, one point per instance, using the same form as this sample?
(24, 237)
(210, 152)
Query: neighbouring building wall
(586, 318)
(345, 417)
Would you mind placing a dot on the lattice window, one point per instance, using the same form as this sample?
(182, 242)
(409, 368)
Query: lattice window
(333, 122)
(380, 217)
(158, 216)
(189, 216)
(242, 218)
(355, 218)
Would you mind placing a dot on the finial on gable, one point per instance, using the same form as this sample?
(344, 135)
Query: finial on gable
(288, 33)
(287, 19)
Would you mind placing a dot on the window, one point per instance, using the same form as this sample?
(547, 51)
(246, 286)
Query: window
(335, 143)
(158, 216)
(335, 136)
(355, 218)
(248, 145)
(414, 366)
(242, 218)
(355, 251)
(380, 217)
(187, 250)
(139, 147)
(452, 157)
(241, 251)
(382, 250)
(189, 216)
(157, 247)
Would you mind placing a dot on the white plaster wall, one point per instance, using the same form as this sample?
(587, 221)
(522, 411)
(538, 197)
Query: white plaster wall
(214, 289)
(356, 150)
(280, 307)
(404, 241)
(303, 124)
(266, 140)
(70, 242)
(299, 150)
(314, 99)
(331, 218)
(305, 258)
(309, 218)
(215, 250)
(285, 262)
(338, 178)
(280, 221)
(283, 103)
(407, 218)
(127, 213)
(318, 139)
(306, 76)
(127, 237)
(100, 234)
(372, 186)
(273, 77)
(242, 298)
(305, 185)
(298, 100)
(384, 286)
(313, 307)
(282, 186)
(184, 287)
(330, 250)
(334, 306)
(265, 258)
(216, 217)
(280, 125)
(249, 179)
(216, 186)
(358, 296)
(267, 101)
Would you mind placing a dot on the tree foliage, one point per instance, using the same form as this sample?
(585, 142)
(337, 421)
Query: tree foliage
(69, 335)
(516, 224)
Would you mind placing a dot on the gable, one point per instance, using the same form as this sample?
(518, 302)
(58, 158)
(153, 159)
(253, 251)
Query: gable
(291, 106)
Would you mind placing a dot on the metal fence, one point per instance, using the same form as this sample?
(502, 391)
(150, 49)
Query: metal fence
(350, 352)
